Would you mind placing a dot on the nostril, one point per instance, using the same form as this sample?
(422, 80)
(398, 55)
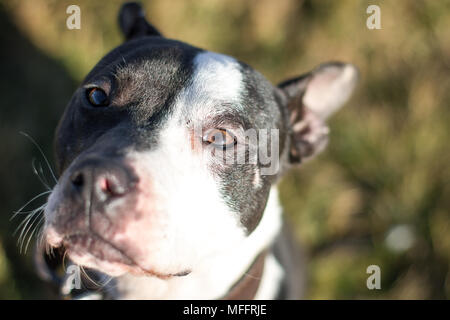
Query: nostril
(111, 186)
(105, 185)
(77, 179)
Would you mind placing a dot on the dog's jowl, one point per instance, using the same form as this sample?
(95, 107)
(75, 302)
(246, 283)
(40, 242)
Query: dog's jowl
(163, 154)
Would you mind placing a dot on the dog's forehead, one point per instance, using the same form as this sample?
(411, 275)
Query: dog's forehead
(157, 75)
(215, 88)
(196, 82)
(217, 76)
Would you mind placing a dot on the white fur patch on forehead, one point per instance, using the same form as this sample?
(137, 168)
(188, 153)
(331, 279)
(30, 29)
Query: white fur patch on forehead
(217, 74)
(217, 79)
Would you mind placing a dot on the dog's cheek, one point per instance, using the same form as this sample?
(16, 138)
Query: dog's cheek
(246, 192)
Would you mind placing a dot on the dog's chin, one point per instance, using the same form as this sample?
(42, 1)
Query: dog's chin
(113, 269)
(93, 252)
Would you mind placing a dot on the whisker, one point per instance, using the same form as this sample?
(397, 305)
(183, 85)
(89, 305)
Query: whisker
(42, 153)
(40, 173)
(23, 224)
(64, 261)
(29, 225)
(28, 217)
(49, 250)
(41, 170)
(20, 211)
(26, 226)
(34, 219)
(107, 282)
(101, 285)
(40, 236)
(88, 277)
(36, 227)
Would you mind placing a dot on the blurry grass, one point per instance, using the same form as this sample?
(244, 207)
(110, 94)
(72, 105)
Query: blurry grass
(388, 159)
(8, 289)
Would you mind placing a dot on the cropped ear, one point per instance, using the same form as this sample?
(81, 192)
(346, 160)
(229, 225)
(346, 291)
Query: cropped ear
(133, 23)
(310, 100)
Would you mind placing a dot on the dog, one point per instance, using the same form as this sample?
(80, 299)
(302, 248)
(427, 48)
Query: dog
(151, 199)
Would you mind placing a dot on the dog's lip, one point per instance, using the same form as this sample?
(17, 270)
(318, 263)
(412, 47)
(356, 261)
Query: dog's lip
(89, 242)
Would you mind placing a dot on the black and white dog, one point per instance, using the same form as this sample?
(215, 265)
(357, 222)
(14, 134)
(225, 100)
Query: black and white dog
(168, 158)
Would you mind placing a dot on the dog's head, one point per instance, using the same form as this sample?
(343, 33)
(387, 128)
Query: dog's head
(167, 152)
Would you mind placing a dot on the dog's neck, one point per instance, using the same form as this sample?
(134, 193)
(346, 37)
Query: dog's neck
(215, 278)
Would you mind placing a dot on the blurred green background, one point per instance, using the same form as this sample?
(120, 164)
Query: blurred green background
(380, 193)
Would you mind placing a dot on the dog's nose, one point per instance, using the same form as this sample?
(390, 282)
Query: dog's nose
(99, 180)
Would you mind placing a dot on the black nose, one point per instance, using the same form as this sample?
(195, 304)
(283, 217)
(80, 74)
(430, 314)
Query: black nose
(98, 180)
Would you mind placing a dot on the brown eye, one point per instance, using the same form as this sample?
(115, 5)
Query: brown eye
(219, 138)
(97, 97)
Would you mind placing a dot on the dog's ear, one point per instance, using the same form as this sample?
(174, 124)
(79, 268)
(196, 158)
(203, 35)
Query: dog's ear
(133, 23)
(310, 99)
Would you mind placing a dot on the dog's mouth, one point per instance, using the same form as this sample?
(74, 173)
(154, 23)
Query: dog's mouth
(92, 251)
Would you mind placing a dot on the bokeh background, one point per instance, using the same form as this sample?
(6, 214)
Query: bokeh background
(380, 193)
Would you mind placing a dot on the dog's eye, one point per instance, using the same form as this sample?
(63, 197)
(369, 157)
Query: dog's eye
(97, 97)
(219, 138)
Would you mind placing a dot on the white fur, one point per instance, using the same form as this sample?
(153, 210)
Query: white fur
(216, 76)
(214, 277)
(217, 80)
(270, 282)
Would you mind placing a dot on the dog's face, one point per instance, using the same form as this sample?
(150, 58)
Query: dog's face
(163, 152)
